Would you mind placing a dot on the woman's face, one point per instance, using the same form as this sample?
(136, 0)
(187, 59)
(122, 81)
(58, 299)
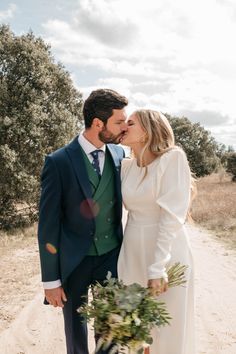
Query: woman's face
(135, 134)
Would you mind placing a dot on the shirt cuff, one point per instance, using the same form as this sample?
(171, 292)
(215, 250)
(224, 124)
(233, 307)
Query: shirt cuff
(52, 284)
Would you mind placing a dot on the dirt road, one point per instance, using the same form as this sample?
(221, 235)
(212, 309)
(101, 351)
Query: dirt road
(29, 327)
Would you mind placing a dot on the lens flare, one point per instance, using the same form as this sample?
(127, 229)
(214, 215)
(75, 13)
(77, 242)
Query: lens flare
(51, 248)
(89, 208)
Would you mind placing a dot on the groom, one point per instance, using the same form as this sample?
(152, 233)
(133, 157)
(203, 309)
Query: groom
(80, 229)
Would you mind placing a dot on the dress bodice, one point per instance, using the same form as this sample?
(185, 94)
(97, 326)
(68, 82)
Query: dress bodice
(157, 201)
(165, 186)
(139, 191)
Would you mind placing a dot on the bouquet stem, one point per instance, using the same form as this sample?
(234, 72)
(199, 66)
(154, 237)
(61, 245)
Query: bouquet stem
(145, 351)
(141, 351)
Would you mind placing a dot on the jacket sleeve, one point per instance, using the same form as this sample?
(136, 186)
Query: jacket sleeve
(50, 221)
(173, 198)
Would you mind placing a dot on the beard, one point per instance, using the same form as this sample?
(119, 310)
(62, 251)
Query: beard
(107, 137)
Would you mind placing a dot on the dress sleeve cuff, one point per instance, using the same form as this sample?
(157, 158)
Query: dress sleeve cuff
(152, 274)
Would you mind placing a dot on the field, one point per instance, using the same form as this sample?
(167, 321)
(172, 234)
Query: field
(215, 207)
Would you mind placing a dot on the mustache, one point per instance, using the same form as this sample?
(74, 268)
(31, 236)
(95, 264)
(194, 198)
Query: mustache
(121, 134)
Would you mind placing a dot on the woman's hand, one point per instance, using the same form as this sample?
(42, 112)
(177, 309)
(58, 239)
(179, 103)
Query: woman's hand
(157, 286)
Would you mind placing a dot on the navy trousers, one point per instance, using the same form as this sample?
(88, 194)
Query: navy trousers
(90, 270)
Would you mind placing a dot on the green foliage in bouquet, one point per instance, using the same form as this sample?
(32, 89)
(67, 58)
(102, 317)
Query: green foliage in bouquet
(125, 314)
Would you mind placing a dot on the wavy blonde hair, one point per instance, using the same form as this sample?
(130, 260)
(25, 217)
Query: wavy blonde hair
(159, 134)
(159, 138)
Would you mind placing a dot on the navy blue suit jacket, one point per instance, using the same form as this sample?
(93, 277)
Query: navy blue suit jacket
(66, 222)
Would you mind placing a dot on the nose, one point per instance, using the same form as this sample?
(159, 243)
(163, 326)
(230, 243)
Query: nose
(124, 127)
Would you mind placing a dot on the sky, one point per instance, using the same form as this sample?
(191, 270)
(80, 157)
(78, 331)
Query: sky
(177, 57)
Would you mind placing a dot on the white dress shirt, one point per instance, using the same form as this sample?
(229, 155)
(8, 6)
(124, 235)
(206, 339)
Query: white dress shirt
(88, 148)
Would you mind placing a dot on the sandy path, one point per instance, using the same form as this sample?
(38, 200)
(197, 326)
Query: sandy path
(215, 295)
(38, 329)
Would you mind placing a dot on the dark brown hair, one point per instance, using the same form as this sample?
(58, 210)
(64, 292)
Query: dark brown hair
(100, 104)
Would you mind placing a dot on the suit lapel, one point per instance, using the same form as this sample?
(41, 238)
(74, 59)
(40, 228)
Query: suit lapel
(115, 157)
(116, 164)
(117, 161)
(75, 154)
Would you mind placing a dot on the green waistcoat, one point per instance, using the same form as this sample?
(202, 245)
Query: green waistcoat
(103, 190)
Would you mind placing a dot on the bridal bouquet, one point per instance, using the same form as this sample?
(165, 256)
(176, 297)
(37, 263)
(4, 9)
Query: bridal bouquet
(125, 314)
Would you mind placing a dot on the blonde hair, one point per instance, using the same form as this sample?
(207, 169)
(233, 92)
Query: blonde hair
(159, 134)
(159, 138)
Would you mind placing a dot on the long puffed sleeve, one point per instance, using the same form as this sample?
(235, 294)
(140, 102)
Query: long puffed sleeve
(173, 197)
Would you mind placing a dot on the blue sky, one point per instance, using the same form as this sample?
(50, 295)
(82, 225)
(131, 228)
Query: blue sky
(174, 56)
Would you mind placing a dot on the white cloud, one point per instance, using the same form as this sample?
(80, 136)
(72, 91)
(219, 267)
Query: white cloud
(207, 118)
(225, 135)
(121, 85)
(104, 21)
(8, 14)
(229, 6)
(175, 56)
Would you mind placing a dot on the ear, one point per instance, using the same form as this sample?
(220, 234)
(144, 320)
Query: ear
(97, 123)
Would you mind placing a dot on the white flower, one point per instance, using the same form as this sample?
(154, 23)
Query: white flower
(137, 321)
(145, 345)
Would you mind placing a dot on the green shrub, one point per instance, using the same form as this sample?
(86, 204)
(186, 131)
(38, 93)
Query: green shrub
(39, 112)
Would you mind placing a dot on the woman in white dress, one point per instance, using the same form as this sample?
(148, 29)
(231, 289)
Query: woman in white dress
(156, 190)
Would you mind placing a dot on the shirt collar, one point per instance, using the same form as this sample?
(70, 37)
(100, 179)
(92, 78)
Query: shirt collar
(87, 146)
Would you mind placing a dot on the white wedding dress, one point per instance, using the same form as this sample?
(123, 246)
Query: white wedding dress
(155, 237)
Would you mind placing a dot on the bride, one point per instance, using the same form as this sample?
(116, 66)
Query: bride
(156, 189)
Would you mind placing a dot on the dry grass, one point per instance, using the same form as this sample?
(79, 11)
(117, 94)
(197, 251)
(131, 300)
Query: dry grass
(215, 206)
(18, 238)
(19, 262)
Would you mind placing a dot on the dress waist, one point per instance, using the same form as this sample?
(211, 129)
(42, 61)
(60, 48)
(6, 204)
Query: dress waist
(141, 221)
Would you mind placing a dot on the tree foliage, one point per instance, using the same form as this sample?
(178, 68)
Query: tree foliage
(201, 148)
(39, 112)
(231, 165)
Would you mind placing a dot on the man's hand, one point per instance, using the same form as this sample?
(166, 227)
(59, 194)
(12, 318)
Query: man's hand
(55, 296)
(157, 286)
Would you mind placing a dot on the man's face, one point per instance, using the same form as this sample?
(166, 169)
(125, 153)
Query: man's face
(115, 127)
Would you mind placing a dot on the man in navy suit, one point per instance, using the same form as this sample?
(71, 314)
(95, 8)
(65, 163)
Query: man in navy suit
(80, 229)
